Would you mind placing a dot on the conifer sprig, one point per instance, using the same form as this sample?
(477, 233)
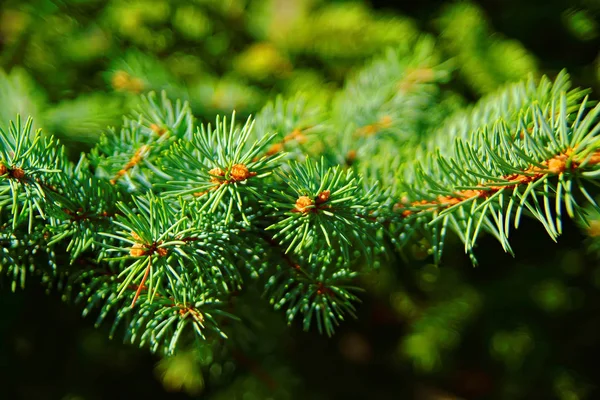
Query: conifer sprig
(296, 122)
(319, 293)
(170, 249)
(85, 205)
(161, 324)
(165, 223)
(533, 165)
(28, 162)
(320, 207)
(220, 166)
(128, 157)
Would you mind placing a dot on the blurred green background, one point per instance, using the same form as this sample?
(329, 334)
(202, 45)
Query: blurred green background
(523, 328)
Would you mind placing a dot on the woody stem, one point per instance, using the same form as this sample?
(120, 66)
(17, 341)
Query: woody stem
(141, 285)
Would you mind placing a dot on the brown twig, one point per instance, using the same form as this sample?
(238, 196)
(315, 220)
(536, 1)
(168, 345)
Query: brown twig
(553, 166)
(135, 160)
(139, 289)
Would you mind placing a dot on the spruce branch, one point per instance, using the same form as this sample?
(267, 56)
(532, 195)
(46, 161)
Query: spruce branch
(220, 167)
(320, 208)
(170, 249)
(296, 122)
(85, 206)
(320, 292)
(387, 102)
(128, 158)
(164, 223)
(164, 324)
(28, 162)
(25, 254)
(486, 183)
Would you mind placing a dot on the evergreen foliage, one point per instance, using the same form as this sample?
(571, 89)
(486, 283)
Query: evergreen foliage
(170, 222)
(178, 206)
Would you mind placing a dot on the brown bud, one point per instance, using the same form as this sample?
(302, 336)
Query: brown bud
(18, 173)
(239, 172)
(303, 203)
(216, 172)
(3, 169)
(557, 165)
(120, 80)
(137, 250)
(157, 129)
(323, 196)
